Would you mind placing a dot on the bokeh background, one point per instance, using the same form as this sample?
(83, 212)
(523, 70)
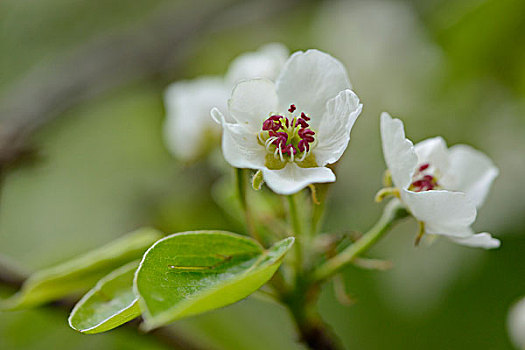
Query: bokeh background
(83, 160)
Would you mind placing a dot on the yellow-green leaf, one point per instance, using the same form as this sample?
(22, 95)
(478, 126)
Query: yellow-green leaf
(109, 304)
(81, 273)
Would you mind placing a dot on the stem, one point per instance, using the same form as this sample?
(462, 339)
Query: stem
(316, 335)
(312, 330)
(393, 212)
(318, 209)
(241, 181)
(301, 299)
(298, 232)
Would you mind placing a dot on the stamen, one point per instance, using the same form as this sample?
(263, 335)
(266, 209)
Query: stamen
(302, 122)
(269, 142)
(424, 182)
(303, 156)
(286, 137)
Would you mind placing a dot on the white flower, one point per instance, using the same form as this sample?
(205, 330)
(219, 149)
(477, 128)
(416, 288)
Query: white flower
(516, 324)
(292, 128)
(188, 130)
(441, 187)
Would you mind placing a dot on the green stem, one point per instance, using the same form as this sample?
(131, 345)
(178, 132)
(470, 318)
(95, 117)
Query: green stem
(241, 181)
(297, 230)
(393, 212)
(313, 332)
(318, 209)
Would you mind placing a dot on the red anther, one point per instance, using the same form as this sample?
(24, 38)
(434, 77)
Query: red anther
(427, 183)
(305, 133)
(304, 116)
(287, 122)
(282, 134)
(303, 145)
(291, 109)
(288, 149)
(419, 184)
(302, 122)
(424, 167)
(268, 125)
(282, 137)
(272, 123)
(428, 177)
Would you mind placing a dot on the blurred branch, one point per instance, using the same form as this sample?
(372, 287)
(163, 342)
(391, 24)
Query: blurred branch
(12, 277)
(162, 44)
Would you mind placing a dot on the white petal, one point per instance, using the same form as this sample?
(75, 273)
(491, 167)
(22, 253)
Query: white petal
(479, 240)
(516, 324)
(266, 62)
(443, 212)
(293, 178)
(400, 156)
(239, 144)
(433, 151)
(308, 80)
(188, 122)
(333, 133)
(252, 101)
(472, 172)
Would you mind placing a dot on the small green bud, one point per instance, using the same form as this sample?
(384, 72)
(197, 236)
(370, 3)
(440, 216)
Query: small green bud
(257, 180)
(420, 233)
(387, 178)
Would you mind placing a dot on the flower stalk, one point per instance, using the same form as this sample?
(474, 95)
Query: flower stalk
(297, 227)
(241, 183)
(392, 212)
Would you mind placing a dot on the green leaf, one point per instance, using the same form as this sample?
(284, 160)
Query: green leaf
(193, 272)
(109, 304)
(81, 273)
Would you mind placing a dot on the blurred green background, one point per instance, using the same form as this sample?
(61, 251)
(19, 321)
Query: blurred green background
(85, 79)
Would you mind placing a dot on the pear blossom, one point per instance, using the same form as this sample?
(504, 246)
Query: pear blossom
(516, 324)
(291, 129)
(442, 187)
(188, 130)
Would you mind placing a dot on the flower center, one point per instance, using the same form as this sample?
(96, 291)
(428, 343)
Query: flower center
(287, 139)
(425, 179)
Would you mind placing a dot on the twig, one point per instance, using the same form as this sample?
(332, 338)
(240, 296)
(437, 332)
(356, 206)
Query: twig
(10, 277)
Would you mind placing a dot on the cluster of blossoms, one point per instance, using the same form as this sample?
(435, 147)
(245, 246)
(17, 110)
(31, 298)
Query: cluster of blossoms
(289, 122)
